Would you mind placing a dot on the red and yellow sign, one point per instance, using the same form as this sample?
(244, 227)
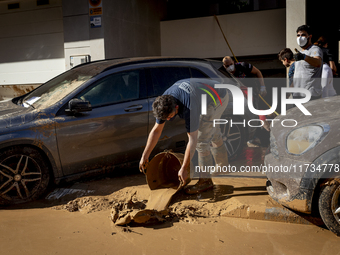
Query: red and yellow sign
(95, 7)
(95, 3)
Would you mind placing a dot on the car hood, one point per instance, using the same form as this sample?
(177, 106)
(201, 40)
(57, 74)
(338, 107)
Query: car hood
(14, 115)
(324, 109)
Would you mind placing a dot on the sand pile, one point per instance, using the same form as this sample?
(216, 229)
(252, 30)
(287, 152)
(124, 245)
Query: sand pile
(122, 199)
(128, 205)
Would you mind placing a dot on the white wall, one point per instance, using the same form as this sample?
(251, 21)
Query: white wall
(296, 16)
(251, 33)
(79, 37)
(31, 42)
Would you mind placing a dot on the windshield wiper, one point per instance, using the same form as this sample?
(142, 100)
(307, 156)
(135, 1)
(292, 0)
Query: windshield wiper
(28, 104)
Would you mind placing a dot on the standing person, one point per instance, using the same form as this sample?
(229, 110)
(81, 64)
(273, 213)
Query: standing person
(184, 98)
(245, 70)
(308, 64)
(287, 58)
(328, 69)
(328, 58)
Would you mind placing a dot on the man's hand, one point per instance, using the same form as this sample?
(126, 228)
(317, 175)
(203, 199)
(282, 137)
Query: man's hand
(299, 56)
(143, 164)
(263, 91)
(153, 138)
(183, 176)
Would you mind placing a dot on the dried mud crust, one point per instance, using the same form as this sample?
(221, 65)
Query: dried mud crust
(328, 189)
(89, 204)
(126, 203)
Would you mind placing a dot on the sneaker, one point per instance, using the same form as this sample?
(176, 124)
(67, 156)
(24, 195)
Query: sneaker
(200, 186)
(254, 142)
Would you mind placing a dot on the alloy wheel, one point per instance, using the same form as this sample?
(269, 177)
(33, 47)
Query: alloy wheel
(233, 138)
(335, 204)
(20, 177)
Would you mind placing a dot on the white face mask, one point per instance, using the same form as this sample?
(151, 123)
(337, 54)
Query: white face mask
(302, 41)
(231, 68)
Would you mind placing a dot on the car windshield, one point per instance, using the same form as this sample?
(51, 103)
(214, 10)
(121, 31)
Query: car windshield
(56, 89)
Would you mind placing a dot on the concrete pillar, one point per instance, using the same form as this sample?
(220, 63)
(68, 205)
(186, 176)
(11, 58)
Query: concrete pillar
(132, 27)
(295, 17)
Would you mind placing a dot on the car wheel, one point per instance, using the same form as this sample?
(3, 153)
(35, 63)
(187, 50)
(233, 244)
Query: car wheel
(329, 205)
(234, 138)
(24, 175)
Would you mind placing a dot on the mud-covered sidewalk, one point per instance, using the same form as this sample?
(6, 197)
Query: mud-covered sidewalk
(239, 195)
(77, 219)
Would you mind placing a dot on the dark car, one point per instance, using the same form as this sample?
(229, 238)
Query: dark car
(303, 168)
(91, 119)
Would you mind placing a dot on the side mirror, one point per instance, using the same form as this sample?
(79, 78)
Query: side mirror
(76, 105)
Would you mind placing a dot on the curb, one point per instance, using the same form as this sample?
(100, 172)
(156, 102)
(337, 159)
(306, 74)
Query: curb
(278, 214)
(249, 199)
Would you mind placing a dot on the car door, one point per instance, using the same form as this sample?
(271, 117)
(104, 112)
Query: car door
(114, 132)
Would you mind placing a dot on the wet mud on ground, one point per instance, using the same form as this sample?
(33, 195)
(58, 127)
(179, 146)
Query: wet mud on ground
(46, 231)
(77, 219)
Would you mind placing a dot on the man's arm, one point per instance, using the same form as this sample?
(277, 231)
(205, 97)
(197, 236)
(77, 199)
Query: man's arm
(333, 67)
(257, 72)
(314, 61)
(189, 153)
(259, 75)
(150, 145)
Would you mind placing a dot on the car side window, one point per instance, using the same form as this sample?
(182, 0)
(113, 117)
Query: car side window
(164, 77)
(113, 88)
(195, 73)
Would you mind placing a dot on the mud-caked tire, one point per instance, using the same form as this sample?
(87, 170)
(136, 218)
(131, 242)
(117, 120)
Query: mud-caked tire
(24, 175)
(329, 205)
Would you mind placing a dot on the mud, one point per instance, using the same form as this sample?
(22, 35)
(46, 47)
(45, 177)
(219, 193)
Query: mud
(162, 179)
(331, 182)
(45, 231)
(126, 198)
(182, 207)
(79, 219)
(193, 225)
(231, 197)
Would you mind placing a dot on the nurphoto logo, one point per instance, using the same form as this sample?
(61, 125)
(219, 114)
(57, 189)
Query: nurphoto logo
(238, 103)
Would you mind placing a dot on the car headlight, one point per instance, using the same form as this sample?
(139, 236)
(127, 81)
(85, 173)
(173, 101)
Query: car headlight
(302, 139)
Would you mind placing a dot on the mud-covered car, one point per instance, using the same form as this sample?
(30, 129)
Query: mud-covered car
(91, 119)
(303, 168)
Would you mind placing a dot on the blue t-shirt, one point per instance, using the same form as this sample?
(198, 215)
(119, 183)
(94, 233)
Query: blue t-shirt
(187, 93)
(291, 73)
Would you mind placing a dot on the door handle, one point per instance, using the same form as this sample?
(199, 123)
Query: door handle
(133, 108)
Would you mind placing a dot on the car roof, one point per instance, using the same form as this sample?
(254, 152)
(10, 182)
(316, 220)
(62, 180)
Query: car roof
(103, 65)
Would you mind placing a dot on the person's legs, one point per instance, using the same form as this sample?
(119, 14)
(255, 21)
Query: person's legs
(327, 81)
(220, 155)
(256, 140)
(206, 134)
(205, 182)
(205, 160)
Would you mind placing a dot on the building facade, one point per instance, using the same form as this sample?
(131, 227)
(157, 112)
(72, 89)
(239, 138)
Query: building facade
(40, 39)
